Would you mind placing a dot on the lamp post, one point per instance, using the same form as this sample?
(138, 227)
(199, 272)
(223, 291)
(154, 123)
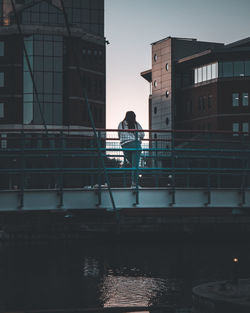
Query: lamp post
(235, 271)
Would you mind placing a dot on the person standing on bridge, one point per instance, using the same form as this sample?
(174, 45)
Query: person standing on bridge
(131, 134)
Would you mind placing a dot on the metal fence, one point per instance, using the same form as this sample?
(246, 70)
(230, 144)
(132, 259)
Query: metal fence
(70, 158)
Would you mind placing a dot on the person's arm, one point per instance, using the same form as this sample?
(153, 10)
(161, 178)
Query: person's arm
(140, 134)
(119, 128)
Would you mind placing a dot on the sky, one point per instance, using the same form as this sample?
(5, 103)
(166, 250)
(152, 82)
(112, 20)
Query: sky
(132, 25)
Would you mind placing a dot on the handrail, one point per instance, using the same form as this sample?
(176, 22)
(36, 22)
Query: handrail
(182, 162)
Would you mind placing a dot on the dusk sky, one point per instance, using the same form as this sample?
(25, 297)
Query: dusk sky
(132, 25)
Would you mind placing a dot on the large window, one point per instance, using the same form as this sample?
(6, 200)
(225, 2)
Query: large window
(221, 69)
(42, 13)
(234, 69)
(88, 14)
(205, 73)
(45, 53)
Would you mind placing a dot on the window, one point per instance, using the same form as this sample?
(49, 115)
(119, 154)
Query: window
(3, 141)
(167, 120)
(209, 72)
(1, 110)
(166, 67)
(236, 128)
(189, 107)
(247, 68)
(245, 128)
(196, 76)
(235, 99)
(245, 99)
(214, 70)
(236, 69)
(155, 83)
(155, 57)
(167, 94)
(204, 74)
(228, 69)
(45, 54)
(203, 103)
(1, 79)
(1, 48)
(239, 68)
(209, 101)
(155, 110)
(199, 75)
(200, 103)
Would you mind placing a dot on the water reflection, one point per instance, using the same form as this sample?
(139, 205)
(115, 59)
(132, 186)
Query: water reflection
(141, 291)
(97, 274)
(91, 267)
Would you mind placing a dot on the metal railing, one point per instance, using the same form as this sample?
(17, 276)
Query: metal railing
(69, 158)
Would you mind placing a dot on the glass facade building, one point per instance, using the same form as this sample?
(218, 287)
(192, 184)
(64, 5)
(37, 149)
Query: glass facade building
(40, 83)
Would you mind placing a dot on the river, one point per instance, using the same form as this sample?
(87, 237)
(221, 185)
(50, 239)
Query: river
(80, 274)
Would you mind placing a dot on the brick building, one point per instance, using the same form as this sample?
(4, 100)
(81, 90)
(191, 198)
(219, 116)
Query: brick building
(199, 85)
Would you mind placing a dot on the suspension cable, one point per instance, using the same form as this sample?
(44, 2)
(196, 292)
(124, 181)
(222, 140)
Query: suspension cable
(29, 66)
(85, 96)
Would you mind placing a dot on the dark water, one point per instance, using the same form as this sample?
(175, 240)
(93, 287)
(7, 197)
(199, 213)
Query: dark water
(90, 274)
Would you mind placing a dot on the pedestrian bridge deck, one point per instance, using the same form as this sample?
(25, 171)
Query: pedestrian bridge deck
(96, 198)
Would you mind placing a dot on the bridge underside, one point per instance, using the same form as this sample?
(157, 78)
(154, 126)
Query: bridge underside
(93, 198)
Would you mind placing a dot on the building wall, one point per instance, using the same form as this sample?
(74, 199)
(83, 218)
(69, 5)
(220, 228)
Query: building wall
(209, 106)
(164, 98)
(197, 107)
(228, 114)
(161, 84)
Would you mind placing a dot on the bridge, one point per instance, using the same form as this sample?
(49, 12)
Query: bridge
(72, 182)
(65, 169)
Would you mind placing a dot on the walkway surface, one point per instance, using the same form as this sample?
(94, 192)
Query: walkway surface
(222, 296)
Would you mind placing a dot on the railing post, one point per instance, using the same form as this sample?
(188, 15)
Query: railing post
(22, 178)
(92, 164)
(99, 176)
(243, 182)
(135, 174)
(208, 174)
(60, 169)
(156, 162)
(172, 192)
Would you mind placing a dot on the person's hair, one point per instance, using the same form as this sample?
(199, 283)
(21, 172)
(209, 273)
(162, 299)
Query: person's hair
(130, 118)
